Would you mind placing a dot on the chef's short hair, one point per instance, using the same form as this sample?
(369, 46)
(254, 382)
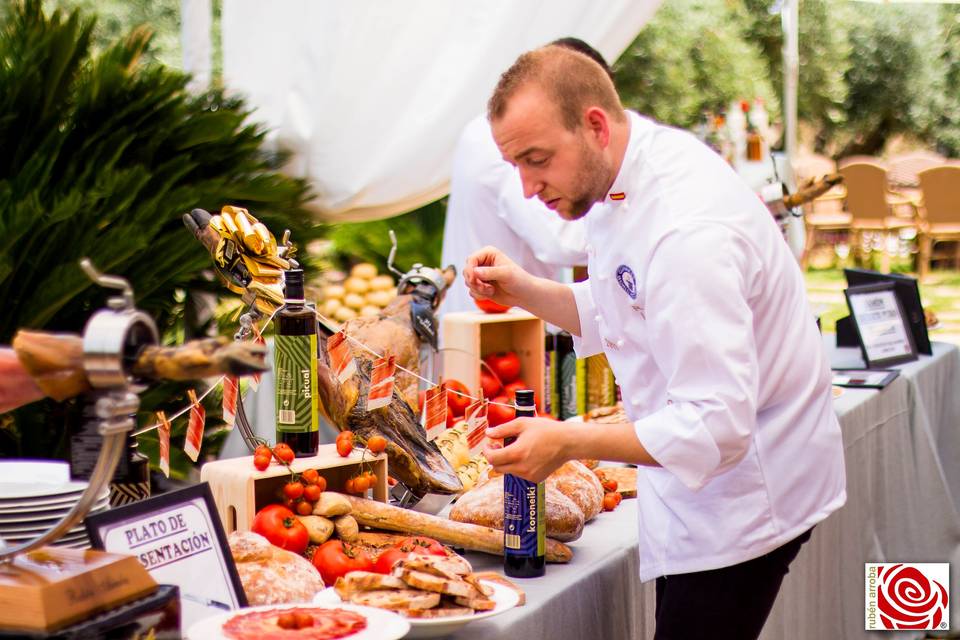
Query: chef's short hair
(570, 79)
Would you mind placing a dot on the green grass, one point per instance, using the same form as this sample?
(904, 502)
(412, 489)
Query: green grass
(939, 292)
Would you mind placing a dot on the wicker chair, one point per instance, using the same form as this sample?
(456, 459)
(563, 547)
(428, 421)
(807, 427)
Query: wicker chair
(872, 205)
(940, 216)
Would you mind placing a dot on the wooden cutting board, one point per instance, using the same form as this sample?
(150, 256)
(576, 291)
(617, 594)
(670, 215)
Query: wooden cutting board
(626, 478)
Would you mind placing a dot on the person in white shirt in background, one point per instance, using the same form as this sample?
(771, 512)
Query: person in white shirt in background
(701, 310)
(487, 207)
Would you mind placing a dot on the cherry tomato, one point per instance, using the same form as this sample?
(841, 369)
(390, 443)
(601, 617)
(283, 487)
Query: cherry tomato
(388, 558)
(277, 524)
(293, 489)
(284, 453)
(304, 508)
(490, 385)
(391, 481)
(262, 462)
(452, 419)
(619, 497)
(321, 484)
(344, 447)
(361, 484)
(610, 502)
(489, 306)
(304, 620)
(310, 476)
(290, 504)
(335, 558)
(262, 450)
(311, 492)
(505, 364)
(348, 486)
(609, 485)
(377, 444)
(345, 435)
(421, 544)
(287, 621)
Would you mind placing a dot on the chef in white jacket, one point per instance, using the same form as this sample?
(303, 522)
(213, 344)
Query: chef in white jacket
(701, 310)
(487, 207)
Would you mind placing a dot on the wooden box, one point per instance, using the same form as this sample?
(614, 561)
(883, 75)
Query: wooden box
(470, 335)
(240, 490)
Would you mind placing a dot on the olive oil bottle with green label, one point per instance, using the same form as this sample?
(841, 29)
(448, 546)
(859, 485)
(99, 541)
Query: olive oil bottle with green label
(295, 369)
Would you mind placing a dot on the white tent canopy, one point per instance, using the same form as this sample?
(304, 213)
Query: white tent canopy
(371, 95)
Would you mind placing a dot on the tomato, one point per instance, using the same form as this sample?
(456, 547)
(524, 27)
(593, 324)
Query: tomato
(335, 558)
(609, 485)
(619, 497)
(345, 435)
(287, 620)
(277, 524)
(293, 489)
(311, 493)
(310, 476)
(321, 484)
(452, 419)
(262, 450)
(304, 620)
(377, 444)
(610, 502)
(348, 486)
(489, 384)
(498, 414)
(388, 558)
(457, 403)
(304, 508)
(361, 484)
(284, 453)
(344, 447)
(505, 364)
(421, 544)
(391, 481)
(489, 306)
(262, 462)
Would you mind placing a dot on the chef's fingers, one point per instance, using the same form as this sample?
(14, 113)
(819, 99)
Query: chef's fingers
(505, 430)
(500, 457)
(493, 274)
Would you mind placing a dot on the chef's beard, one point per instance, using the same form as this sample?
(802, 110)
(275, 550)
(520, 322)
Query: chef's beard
(590, 183)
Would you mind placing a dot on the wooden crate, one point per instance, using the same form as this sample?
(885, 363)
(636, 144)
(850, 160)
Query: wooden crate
(239, 489)
(470, 335)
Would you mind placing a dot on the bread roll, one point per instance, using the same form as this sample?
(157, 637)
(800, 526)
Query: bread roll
(581, 485)
(483, 505)
(271, 575)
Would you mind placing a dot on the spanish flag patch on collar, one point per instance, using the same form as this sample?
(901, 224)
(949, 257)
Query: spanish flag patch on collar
(620, 195)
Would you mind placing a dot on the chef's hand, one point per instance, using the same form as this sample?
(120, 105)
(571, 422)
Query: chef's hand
(492, 275)
(535, 454)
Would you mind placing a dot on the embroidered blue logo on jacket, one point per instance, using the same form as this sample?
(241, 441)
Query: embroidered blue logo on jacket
(627, 280)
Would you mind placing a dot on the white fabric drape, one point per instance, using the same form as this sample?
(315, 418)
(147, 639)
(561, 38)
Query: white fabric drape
(371, 95)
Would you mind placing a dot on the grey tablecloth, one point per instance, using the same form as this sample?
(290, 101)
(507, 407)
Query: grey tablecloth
(902, 446)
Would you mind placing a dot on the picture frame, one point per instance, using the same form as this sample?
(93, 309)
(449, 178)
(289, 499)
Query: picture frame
(881, 326)
(166, 531)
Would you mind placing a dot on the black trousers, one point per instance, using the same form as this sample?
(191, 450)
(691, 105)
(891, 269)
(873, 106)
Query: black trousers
(731, 603)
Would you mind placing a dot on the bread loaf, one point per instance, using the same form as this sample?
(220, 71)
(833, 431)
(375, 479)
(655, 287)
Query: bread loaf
(581, 485)
(483, 505)
(271, 575)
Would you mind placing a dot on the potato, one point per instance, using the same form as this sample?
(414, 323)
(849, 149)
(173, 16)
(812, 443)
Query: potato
(370, 311)
(332, 504)
(334, 291)
(319, 529)
(347, 528)
(331, 306)
(382, 283)
(344, 314)
(379, 298)
(364, 270)
(356, 285)
(355, 301)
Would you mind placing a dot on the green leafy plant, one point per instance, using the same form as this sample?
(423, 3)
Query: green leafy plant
(102, 154)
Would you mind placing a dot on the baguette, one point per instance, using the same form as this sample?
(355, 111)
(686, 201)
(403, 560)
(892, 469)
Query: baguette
(458, 534)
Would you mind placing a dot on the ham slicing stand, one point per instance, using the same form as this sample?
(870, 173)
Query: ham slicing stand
(112, 338)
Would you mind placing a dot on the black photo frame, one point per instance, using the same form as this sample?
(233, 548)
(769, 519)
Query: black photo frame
(882, 328)
(908, 292)
(166, 530)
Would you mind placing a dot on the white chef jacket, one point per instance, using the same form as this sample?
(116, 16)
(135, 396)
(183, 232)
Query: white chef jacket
(487, 207)
(701, 310)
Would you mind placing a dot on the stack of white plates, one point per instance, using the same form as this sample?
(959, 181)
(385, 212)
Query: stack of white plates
(35, 495)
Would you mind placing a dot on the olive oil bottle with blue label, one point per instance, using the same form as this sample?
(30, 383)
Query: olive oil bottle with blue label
(524, 507)
(295, 369)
